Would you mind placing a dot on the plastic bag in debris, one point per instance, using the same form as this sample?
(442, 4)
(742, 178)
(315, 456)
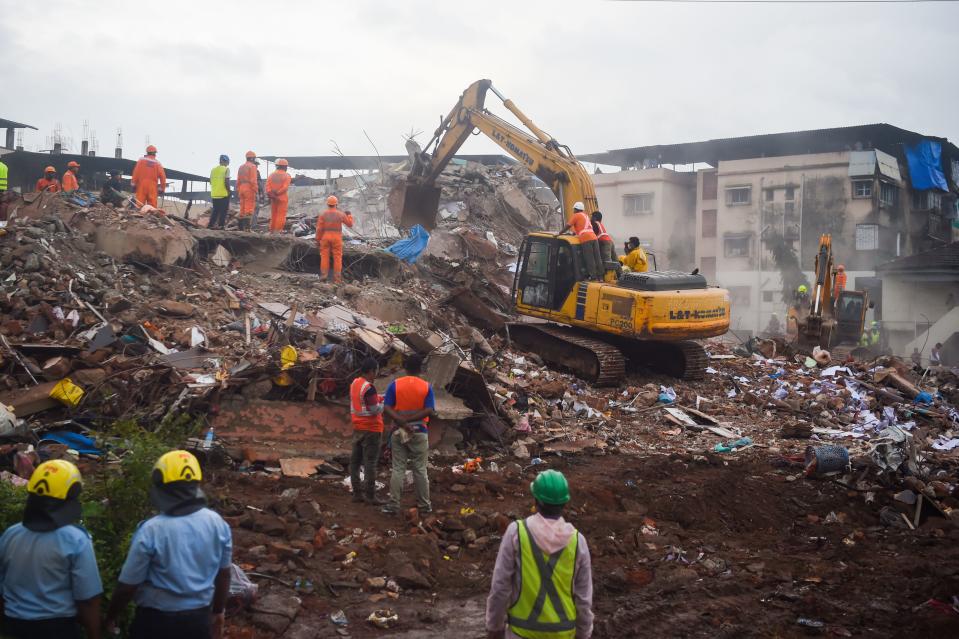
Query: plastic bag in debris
(8, 421)
(242, 591)
(891, 450)
(667, 395)
(410, 248)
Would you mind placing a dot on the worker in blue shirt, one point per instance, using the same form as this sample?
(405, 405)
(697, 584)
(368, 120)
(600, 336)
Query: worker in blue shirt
(178, 566)
(409, 402)
(49, 582)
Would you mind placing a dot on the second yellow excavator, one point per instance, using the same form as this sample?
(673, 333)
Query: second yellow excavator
(592, 327)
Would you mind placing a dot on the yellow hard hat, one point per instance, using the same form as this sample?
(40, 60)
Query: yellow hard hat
(56, 478)
(802, 288)
(176, 465)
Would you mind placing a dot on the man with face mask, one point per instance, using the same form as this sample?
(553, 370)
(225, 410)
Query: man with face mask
(49, 581)
(178, 566)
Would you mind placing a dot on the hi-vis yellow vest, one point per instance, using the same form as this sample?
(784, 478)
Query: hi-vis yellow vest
(3, 176)
(218, 181)
(545, 608)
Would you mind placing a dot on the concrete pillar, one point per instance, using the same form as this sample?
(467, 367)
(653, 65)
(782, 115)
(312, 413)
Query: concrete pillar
(118, 153)
(9, 142)
(84, 147)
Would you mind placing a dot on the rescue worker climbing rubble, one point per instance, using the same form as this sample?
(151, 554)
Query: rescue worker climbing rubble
(149, 178)
(366, 413)
(70, 183)
(277, 186)
(247, 188)
(178, 565)
(542, 586)
(329, 238)
(49, 181)
(49, 581)
(409, 402)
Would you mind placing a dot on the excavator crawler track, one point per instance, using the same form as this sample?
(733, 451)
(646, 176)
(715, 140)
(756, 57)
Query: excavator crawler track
(603, 361)
(586, 357)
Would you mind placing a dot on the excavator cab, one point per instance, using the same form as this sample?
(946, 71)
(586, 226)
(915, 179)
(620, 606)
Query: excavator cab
(850, 316)
(547, 271)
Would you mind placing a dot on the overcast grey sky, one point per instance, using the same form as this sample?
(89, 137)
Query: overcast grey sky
(203, 78)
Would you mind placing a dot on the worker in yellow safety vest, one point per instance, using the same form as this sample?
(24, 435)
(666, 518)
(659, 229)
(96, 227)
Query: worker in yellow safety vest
(635, 259)
(542, 585)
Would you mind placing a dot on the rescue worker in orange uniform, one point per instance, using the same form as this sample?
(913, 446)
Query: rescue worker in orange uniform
(329, 237)
(70, 183)
(49, 181)
(149, 178)
(277, 186)
(410, 402)
(840, 282)
(366, 413)
(582, 228)
(606, 248)
(247, 188)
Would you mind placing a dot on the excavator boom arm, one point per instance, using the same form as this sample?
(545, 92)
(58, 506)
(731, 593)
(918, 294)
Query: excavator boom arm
(537, 151)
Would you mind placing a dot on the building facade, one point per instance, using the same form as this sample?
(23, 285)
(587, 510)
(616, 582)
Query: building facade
(752, 210)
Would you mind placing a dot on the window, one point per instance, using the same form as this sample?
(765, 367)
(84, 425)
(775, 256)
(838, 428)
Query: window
(789, 209)
(710, 185)
(769, 296)
(867, 237)
(861, 188)
(709, 223)
(739, 195)
(639, 204)
(888, 194)
(926, 200)
(739, 296)
(790, 193)
(769, 195)
(736, 246)
(707, 266)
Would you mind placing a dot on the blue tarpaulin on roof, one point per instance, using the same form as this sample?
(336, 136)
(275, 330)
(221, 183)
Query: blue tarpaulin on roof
(409, 249)
(925, 166)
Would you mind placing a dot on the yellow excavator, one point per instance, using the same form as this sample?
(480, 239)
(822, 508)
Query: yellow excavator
(592, 328)
(836, 318)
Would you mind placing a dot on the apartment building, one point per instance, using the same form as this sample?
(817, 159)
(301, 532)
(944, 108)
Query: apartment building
(755, 207)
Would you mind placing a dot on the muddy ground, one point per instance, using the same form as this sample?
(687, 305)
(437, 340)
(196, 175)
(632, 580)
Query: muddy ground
(682, 546)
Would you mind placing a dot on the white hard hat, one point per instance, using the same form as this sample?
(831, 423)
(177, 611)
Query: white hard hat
(579, 207)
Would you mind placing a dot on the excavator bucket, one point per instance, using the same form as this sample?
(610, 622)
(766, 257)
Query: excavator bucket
(411, 204)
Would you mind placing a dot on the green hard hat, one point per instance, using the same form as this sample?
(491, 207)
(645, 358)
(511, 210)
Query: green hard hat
(550, 487)
(802, 288)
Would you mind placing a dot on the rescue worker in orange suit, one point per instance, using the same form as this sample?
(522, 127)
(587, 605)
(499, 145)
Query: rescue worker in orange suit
(840, 282)
(409, 402)
(583, 229)
(277, 186)
(366, 413)
(149, 178)
(606, 248)
(70, 183)
(329, 237)
(49, 181)
(247, 188)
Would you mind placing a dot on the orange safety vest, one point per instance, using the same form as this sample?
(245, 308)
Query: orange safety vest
(247, 175)
(603, 235)
(149, 170)
(363, 416)
(70, 181)
(279, 181)
(331, 221)
(840, 284)
(583, 227)
(43, 184)
(411, 395)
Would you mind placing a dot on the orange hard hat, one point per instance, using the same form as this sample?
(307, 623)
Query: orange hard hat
(282, 162)
(151, 149)
(73, 165)
(250, 155)
(841, 267)
(49, 169)
(332, 201)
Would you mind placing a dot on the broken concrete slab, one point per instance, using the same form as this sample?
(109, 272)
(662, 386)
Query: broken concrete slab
(299, 466)
(423, 341)
(150, 245)
(28, 401)
(441, 368)
(465, 301)
(173, 308)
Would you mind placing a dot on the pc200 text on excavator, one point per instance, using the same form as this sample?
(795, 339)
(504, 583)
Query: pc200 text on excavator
(592, 327)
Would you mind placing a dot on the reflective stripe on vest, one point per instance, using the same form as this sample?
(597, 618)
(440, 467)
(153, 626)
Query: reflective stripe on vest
(545, 607)
(603, 236)
(3, 176)
(411, 395)
(218, 181)
(247, 175)
(364, 417)
(330, 221)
